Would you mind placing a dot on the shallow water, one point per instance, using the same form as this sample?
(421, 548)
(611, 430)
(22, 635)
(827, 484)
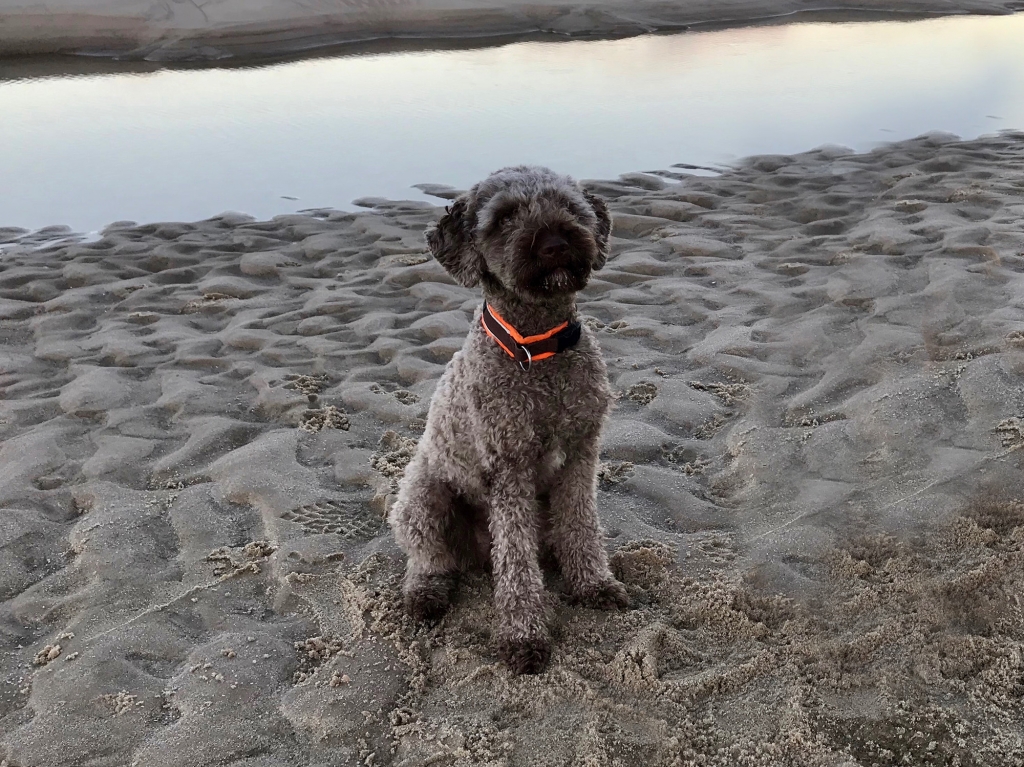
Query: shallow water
(186, 144)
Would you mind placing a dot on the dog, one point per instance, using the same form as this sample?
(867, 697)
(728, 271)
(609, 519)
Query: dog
(506, 470)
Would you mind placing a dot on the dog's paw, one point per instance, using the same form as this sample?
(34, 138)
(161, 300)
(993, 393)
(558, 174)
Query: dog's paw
(525, 656)
(607, 595)
(427, 600)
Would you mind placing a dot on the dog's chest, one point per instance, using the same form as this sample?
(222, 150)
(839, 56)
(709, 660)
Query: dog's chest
(561, 440)
(563, 406)
(566, 420)
(553, 459)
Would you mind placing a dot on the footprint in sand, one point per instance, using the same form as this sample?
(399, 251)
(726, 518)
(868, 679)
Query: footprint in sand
(350, 521)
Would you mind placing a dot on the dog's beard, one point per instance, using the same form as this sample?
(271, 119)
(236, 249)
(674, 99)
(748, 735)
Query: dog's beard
(560, 280)
(565, 274)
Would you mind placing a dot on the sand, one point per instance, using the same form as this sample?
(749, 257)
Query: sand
(182, 30)
(811, 484)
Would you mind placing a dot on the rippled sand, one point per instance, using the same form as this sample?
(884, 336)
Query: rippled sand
(811, 484)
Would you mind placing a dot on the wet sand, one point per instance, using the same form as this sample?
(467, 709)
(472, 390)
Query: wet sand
(811, 483)
(161, 31)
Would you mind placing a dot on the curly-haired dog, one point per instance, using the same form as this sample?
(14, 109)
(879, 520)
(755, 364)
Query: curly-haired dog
(507, 465)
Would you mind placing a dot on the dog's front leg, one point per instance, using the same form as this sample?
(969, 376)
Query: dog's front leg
(523, 641)
(576, 532)
(419, 518)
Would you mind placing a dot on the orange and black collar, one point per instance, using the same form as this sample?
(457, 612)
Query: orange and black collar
(529, 349)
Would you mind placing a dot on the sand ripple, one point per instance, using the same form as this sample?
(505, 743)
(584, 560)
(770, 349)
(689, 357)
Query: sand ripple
(811, 483)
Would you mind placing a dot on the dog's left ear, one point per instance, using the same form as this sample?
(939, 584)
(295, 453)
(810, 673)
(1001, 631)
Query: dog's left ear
(604, 227)
(451, 243)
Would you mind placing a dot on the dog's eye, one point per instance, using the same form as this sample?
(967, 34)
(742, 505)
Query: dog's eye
(503, 216)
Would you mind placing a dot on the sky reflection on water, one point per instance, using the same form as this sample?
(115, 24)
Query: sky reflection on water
(185, 145)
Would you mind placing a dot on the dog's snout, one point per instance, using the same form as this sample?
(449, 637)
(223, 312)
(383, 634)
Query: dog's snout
(550, 244)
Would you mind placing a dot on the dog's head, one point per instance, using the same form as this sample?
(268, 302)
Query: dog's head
(525, 230)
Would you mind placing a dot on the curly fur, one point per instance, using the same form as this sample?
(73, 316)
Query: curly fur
(506, 469)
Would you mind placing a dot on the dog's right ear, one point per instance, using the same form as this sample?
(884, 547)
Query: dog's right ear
(451, 243)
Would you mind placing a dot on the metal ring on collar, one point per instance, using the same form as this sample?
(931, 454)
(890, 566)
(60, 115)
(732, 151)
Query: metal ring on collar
(529, 358)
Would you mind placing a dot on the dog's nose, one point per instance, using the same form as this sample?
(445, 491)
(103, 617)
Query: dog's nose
(550, 244)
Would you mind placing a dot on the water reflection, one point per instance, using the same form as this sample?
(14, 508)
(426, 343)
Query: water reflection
(187, 144)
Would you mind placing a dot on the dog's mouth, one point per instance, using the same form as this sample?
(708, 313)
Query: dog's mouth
(566, 275)
(559, 280)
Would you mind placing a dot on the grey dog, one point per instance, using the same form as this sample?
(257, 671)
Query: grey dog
(506, 470)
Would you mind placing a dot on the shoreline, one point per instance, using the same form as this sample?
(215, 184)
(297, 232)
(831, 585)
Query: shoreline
(58, 64)
(56, 235)
(232, 30)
